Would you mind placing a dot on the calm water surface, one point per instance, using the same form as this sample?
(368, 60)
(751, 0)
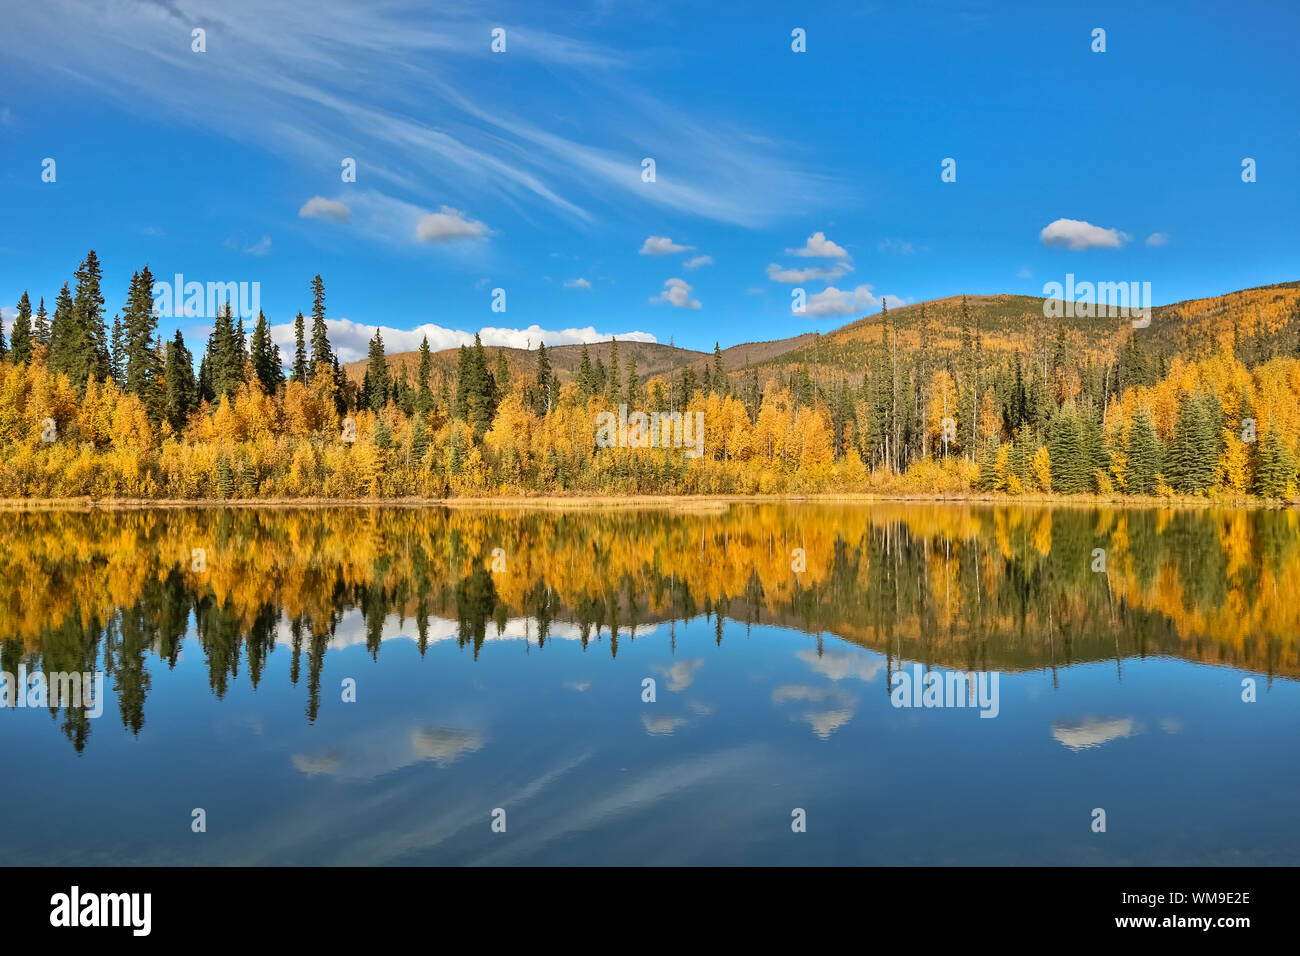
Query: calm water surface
(499, 659)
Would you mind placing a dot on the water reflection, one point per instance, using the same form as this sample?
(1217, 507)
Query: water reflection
(971, 588)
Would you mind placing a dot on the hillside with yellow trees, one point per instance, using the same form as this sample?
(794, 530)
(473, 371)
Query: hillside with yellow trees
(961, 396)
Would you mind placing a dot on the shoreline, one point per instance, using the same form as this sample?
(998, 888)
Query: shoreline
(692, 502)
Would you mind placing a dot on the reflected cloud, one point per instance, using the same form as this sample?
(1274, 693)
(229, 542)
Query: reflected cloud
(838, 665)
(823, 722)
(327, 763)
(579, 686)
(1092, 731)
(661, 726)
(443, 746)
(370, 755)
(682, 674)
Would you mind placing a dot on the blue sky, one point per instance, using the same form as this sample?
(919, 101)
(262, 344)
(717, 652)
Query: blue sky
(522, 170)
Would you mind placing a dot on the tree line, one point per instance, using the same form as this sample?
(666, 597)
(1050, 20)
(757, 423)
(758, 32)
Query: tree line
(92, 408)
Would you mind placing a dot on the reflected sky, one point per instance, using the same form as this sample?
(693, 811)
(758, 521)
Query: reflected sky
(753, 716)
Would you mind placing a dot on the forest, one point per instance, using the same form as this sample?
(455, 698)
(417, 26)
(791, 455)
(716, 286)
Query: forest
(111, 410)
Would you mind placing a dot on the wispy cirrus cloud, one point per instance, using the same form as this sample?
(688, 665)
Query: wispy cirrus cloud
(390, 86)
(812, 274)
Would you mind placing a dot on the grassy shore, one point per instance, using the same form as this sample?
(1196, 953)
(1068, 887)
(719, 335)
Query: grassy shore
(691, 502)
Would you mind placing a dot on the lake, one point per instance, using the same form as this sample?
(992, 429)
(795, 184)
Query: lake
(716, 683)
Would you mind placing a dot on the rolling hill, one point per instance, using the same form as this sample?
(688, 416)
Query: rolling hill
(1006, 322)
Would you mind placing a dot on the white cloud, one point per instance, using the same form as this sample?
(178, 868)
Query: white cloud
(1076, 234)
(661, 246)
(812, 274)
(7, 315)
(260, 248)
(352, 339)
(1024, 273)
(677, 292)
(577, 284)
(819, 247)
(698, 261)
(318, 207)
(1158, 239)
(857, 301)
(447, 226)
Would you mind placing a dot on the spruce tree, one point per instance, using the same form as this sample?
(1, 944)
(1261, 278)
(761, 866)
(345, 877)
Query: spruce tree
(88, 346)
(483, 397)
(223, 358)
(376, 378)
(41, 332)
(321, 353)
(265, 356)
(20, 339)
(117, 350)
(1191, 459)
(300, 351)
(460, 407)
(1065, 446)
(1143, 454)
(140, 329)
(585, 373)
(543, 383)
(720, 384)
(613, 375)
(1275, 467)
(424, 397)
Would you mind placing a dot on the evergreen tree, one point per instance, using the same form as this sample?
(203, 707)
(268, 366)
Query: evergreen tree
(1065, 446)
(321, 353)
(225, 478)
(20, 338)
(375, 384)
(87, 348)
(586, 373)
(502, 374)
(300, 351)
(542, 386)
(140, 328)
(117, 351)
(720, 383)
(613, 375)
(424, 398)
(1143, 454)
(1191, 461)
(41, 333)
(223, 358)
(1275, 467)
(265, 356)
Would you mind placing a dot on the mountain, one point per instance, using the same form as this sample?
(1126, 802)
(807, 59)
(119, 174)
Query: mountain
(1264, 316)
